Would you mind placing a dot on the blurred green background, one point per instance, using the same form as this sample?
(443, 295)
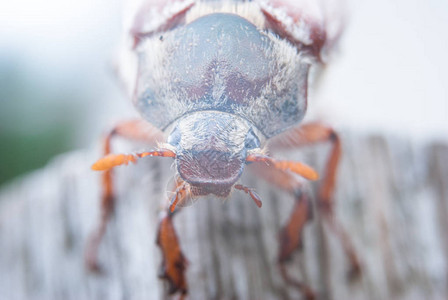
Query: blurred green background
(56, 79)
(35, 124)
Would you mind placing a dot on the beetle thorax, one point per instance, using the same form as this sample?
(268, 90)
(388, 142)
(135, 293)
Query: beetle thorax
(211, 150)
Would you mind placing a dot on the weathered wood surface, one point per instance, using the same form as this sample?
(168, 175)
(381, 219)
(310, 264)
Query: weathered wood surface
(392, 198)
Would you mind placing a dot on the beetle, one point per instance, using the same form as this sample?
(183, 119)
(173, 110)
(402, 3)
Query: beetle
(216, 82)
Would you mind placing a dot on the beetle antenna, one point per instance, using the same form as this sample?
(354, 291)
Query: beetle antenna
(285, 165)
(113, 160)
(251, 192)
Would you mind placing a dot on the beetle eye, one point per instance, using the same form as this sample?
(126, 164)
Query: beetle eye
(174, 138)
(252, 141)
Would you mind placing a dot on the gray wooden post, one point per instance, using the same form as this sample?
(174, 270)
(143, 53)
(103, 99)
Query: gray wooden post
(392, 197)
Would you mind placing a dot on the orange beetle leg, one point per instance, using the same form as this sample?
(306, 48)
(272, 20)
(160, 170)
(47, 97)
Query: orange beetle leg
(310, 134)
(133, 130)
(174, 263)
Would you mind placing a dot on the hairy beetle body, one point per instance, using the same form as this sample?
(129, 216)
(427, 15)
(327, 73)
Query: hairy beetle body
(216, 80)
(219, 78)
(222, 62)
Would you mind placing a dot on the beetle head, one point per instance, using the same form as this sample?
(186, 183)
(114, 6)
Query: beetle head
(211, 150)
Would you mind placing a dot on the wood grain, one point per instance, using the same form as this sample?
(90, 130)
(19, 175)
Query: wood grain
(392, 198)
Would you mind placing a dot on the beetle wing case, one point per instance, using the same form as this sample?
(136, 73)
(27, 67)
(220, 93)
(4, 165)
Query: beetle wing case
(251, 59)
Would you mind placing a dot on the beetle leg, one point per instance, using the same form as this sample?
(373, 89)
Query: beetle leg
(312, 26)
(290, 236)
(174, 263)
(291, 239)
(156, 16)
(180, 194)
(313, 133)
(136, 130)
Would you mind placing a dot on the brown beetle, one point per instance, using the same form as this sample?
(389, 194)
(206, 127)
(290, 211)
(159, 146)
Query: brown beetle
(218, 81)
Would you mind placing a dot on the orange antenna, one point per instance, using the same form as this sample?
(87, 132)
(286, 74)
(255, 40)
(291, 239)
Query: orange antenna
(113, 160)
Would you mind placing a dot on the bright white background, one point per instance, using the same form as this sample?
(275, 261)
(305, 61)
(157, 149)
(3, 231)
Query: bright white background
(392, 74)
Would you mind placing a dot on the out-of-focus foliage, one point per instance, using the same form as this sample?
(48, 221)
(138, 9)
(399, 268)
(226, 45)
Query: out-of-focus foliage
(56, 79)
(34, 125)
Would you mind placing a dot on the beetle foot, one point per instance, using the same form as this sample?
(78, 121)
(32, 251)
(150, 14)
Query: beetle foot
(91, 255)
(306, 291)
(174, 263)
(93, 266)
(308, 294)
(355, 271)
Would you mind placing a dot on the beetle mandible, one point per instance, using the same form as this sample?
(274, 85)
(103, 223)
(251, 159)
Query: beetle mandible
(215, 83)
